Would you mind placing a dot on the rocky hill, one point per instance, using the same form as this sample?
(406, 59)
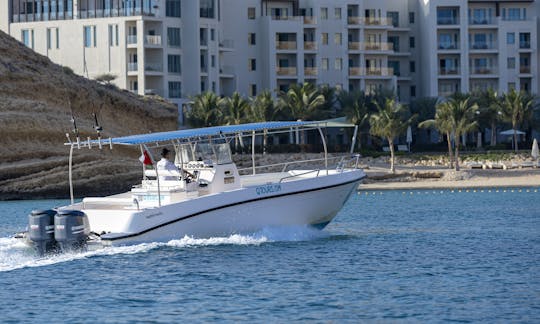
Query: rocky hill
(37, 98)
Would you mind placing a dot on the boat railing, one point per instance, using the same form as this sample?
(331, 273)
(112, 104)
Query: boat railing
(108, 201)
(300, 174)
(289, 163)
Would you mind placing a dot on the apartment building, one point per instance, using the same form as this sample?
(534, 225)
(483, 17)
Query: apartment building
(179, 48)
(476, 45)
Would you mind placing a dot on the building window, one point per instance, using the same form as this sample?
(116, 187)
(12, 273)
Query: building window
(173, 37)
(173, 8)
(251, 13)
(214, 86)
(511, 63)
(337, 38)
(252, 65)
(252, 89)
(338, 64)
(324, 38)
(174, 65)
(514, 13)
(49, 40)
(175, 89)
(206, 8)
(524, 40)
(411, 17)
(58, 37)
(251, 39)
(203, 86)
(411, 42)
(324, 13)
(113, 35)
(213, 61)
(337, 13)
(90, 37)
(510, 38)
(27, 37)
(324, 64)
(412, 66)
(212, 34)
(413, 91)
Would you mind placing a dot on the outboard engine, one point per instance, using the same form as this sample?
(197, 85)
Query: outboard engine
(71, 230)
(41, 230)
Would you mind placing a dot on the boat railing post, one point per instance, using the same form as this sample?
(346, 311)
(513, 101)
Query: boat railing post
(353, 140)
(253, 151)
(325, 149)
(71, 174)
(157, 174)
(143, 166)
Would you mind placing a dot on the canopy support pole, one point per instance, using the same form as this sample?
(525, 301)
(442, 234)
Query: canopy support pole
(253, 151)
(143, 166)
(353, 141)
(157, 174)
(325, 149)
(71, 174)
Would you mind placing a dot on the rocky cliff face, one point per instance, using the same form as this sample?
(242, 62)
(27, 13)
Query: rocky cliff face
(37, 99)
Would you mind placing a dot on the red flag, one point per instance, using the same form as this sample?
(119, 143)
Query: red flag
(145, 158)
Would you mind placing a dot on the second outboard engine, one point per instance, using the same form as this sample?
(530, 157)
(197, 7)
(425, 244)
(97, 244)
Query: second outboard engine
(41, 230)
(71, 230)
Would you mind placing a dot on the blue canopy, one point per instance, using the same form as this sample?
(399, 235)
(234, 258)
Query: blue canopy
(203, 132)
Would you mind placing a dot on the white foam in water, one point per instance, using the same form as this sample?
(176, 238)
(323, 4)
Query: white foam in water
(15, 254)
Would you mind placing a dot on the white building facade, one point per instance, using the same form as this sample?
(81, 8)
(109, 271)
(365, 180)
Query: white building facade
(180, 48)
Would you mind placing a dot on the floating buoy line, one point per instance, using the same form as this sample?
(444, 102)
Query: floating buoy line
(449, 191)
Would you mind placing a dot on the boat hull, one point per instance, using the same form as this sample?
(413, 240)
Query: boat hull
(309, 202)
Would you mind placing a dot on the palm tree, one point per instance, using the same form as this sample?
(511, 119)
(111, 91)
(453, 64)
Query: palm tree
(262, 109)
(461, 116)
(489, 111)
(441, 122)
(389, 122)
(355, 105)
(302, 101)
(205, 110)
(515, 108)
(236, 110)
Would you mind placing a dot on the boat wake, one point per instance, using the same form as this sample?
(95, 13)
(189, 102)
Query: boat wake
(15, 254)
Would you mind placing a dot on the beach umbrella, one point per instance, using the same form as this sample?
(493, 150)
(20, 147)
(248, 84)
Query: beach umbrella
(534, 151)
(511, 132)
(409, 137)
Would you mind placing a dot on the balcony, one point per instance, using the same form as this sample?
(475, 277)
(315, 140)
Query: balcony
(131, 39)
(226, 45)
(226, 71)
(153, 92)
(447, 20)
(379, 71)
(288, 45)
(154, 40)
(132, 67)
(481, 20)
(153, 67)
(355, 71)
(351, 20)
(482, 46)
(354, 46)
(524, 45)
(448, 46)
(310, 71)
(525, 69)
(286, 71)
(483, 70)
(310, 46)
(310, 20)
(448, 71)
(373, 46)
(377, 21)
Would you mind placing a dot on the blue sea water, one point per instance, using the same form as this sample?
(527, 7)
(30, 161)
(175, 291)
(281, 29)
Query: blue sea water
(420, 256)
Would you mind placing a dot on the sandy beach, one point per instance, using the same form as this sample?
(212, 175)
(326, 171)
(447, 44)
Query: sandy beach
(413, 178)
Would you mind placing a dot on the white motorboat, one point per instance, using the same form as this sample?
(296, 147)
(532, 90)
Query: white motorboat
(205, 196)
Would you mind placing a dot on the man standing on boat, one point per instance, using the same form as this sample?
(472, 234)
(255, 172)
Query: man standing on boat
(166, 164)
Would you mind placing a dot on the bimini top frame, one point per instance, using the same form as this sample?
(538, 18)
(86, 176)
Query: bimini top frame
(200, 134)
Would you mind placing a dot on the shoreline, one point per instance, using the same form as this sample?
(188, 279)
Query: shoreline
(465, 179)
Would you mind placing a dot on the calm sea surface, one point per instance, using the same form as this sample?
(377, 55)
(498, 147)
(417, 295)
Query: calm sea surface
(388, 256)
